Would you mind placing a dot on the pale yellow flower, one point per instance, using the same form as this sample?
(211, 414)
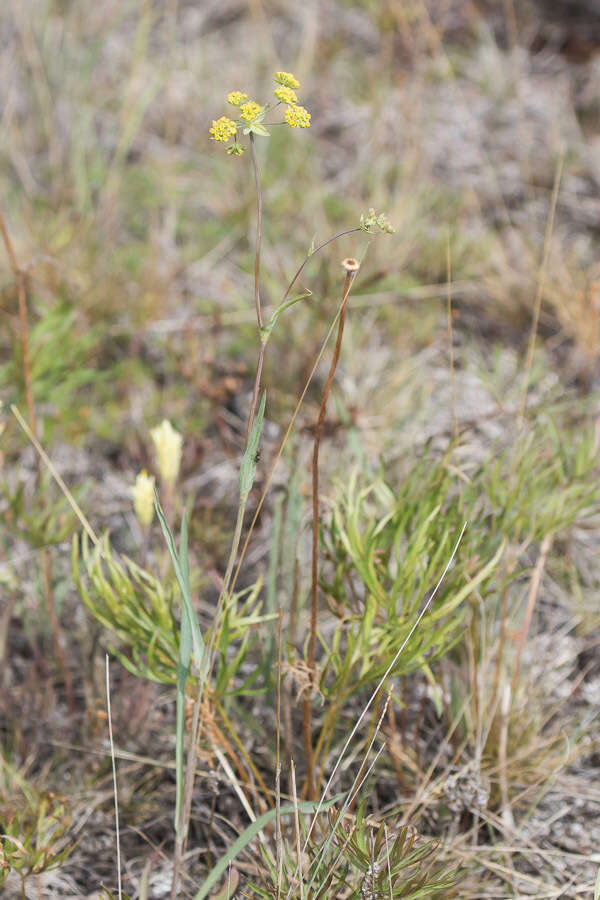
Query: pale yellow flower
(168, 444)
(297, 117)
(143, 498)
(286, 95)
(222, 129)
(236, 98)
(249, 111)
(286, 79)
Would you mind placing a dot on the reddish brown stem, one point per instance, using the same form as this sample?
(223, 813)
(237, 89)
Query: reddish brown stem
(351, 269)
(534, 587)
(256, 390)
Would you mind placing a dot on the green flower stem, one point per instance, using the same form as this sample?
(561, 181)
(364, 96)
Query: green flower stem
(310, 255)
(235, 543)
(258, 234)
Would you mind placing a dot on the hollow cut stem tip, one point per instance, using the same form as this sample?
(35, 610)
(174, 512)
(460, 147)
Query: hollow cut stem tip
(350, 264)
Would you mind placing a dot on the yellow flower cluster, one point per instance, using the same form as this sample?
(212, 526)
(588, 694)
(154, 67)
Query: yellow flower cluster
(297, 117)
(249, 111)
(222, 129)
(286, 95)
(143, 498)
(236, 98)
(286, 79)
(252, 114)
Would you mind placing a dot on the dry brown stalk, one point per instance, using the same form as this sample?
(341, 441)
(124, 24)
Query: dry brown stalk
(533, 592)
(351, 267)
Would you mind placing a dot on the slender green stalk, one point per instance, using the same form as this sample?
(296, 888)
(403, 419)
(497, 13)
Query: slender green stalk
(259, 318)
(235, 543)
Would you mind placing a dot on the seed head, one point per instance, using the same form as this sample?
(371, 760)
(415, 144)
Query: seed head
(143, 498)
(167, 443)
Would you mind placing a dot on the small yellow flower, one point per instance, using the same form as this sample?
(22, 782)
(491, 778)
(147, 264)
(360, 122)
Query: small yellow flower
(236, 149)
(222, 129)
(167, 443)
(286, 95)
(236, 98)
(249, 111)
(286, 79)
(143, 498)
(297, 117)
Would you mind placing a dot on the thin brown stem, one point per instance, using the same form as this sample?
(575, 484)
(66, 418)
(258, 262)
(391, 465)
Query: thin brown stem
(256, 389)
(224, 593)
(534, 587)
(281, 448)
(310, 659)
(309, 256)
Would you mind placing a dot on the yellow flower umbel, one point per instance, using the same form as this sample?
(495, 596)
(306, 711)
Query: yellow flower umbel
(236, 98)
(167, 443)
(143, 498)
(222, 129)
(249, 111)
(286, 95)
(297, 117)
(251, 115)
(286, 79)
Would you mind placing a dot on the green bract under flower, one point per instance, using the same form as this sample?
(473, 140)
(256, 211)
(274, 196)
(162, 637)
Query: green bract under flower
(236, 149)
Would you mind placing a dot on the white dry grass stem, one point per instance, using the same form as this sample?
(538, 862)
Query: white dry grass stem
(114, 774)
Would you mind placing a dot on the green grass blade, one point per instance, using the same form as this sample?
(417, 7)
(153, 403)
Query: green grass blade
(182, 575)
(250, 833)
(248, 466)
(190, 639)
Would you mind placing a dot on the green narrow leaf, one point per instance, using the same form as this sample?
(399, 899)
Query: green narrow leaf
(190, 639)
(187, 607)
(250, 833)
(183, 671)
(248, 466)
(282, 308)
